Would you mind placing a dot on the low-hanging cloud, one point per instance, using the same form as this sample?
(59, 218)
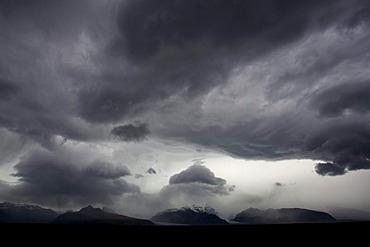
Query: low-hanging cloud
(199, 179)
(151, 171)
(60, 181)
(107, 170)
(330, 169)
(197, 174)
(131, 132)
(344, 144)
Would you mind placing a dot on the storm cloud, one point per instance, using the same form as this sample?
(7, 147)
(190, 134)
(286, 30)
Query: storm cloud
(258, 80)
(335, 101)
(7, 89)
(151, 171)
(345, 145)
(51, 179)
(197, 174)
(131, 132)
(151, 27)
(197, 179)
(178, 66)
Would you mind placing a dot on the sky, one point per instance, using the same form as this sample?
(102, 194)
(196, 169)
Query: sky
(144, 105)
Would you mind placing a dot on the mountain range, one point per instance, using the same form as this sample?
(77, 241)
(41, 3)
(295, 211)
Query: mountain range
(25, 213)
(91, 215)
(189, 216)
(283, 215)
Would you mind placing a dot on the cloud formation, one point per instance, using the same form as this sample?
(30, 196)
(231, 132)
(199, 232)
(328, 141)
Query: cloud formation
(151, 171)
(59, 181)
(197, 179)
(152, 27)
(266, 79)
(197, 174)
(256, 79)
(268, 72)
(131, 132)
(345, 144)
(335, 101)
(278, 184)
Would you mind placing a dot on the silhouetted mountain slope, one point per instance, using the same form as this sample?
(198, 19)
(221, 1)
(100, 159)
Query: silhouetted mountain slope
(283, 215)
(90, 215)
(349, 214)
(190, 216)
(25, 213)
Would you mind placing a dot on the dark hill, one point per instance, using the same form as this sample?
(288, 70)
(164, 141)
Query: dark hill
(90, 215)
(283, 215)
(25, 213)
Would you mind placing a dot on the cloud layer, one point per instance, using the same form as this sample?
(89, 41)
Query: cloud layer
(197, 174)
(180, 65)
(57, 180)
(197, 180)
(131, 132)
(259, 79)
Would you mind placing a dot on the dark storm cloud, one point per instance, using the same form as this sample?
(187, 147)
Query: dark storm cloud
(287, 134)
(149, 26)
(131, 132)
(334, 101)
(197, 174)
(330, 169)
(196, 180)
(346, 146)
(151, 171)
(7, 89)
(44, 15)
(34, 37)
(111, 103)
(107, 170)
(49, 178)
(186, 48)
(72, 69)
(344, 142)
(257, 139)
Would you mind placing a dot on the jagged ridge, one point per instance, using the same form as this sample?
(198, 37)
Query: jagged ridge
(193, 215)
(91, 215)
(25, 213)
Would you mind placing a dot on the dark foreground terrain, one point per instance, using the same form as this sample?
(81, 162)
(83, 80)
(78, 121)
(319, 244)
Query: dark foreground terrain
(228, 235)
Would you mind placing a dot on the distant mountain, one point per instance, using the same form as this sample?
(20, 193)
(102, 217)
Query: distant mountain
(90, 215)
(25, 213)
(190, 216)
(349, 214)
(283, 215)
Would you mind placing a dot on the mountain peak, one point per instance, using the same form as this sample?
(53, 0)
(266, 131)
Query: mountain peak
(89, 208)
(91, 215)
(193, 215)
(91, 211)
(25, 213)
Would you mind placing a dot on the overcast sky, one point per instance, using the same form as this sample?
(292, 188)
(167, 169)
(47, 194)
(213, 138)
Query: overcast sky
(144, 105)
